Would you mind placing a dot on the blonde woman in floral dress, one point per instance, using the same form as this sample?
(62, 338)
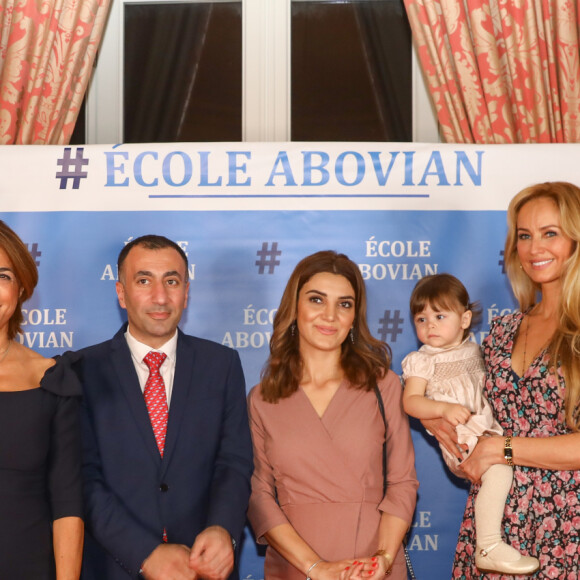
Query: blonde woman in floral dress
(533, 384)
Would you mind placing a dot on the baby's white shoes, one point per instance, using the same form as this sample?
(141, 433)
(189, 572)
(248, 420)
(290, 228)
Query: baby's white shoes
(504, 559)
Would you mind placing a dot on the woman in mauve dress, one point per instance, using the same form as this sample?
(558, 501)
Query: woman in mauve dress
(318, 496)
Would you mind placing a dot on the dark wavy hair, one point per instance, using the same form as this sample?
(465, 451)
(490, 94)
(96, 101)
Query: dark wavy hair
(363, 361)
(25, 271)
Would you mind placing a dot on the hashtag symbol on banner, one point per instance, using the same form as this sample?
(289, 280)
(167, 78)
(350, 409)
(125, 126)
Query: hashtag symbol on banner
(391, 324)
(502, 262)
(268, 258)
(72, 168)
(34, 252)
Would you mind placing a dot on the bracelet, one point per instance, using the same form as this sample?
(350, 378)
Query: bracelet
(312, 568)
(388, 558)
(508, 451)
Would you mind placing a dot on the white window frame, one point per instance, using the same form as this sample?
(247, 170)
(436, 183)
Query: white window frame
(266, 59)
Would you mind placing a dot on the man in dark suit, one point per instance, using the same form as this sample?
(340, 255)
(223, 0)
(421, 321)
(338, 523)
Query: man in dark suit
(167, 450)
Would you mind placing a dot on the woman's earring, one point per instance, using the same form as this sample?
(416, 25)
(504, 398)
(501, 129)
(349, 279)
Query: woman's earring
(293, 329)
(351, 335)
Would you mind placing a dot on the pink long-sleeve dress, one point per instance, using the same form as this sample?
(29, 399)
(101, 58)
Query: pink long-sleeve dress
(324, 475)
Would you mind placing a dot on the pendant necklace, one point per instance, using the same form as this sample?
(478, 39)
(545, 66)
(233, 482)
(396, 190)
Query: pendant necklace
(527, 319)
(5, 352)
(525, 344)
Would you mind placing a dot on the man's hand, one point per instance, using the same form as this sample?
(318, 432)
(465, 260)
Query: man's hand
(168, 562)
(212, 554)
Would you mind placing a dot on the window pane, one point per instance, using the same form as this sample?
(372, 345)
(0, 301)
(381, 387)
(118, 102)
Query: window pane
(78, 136)
(183, 72)
(351, 71)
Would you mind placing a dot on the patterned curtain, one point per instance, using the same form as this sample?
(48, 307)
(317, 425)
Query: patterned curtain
(47, 50)
(501, 71)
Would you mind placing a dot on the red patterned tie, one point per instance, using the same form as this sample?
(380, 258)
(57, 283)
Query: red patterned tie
(155, 398)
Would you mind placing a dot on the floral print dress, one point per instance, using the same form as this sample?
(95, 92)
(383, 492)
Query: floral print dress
(542, 515)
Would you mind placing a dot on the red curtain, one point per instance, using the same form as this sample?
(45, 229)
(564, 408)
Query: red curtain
(501, 71)
(47, 50)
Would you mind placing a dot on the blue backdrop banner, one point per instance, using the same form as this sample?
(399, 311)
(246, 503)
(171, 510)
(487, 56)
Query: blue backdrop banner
(246, 214)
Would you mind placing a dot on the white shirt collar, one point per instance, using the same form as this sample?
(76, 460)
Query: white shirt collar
(139, 350)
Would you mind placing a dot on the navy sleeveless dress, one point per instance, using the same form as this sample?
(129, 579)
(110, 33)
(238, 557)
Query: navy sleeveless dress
(40, 478)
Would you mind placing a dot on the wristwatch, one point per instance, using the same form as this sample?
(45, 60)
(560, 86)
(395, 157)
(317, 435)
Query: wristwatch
(508, 452)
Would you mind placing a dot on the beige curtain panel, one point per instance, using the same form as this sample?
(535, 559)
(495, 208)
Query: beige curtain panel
(47, 50)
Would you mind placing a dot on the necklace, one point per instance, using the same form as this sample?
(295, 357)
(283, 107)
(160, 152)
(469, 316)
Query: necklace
(525, 344)
(6, 351)
(528, 318)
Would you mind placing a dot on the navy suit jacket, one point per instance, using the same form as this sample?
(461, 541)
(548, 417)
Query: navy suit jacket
(131, 494)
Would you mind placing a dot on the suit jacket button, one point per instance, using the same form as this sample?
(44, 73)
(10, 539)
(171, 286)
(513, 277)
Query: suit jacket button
(163, 487)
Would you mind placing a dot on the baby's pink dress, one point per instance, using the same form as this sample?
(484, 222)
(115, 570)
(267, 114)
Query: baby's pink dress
(455, 375)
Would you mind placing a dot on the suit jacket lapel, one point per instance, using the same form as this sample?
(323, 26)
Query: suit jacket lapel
(129, 386)
(182, 382)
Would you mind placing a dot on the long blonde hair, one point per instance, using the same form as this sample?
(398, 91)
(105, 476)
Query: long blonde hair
(564, 348)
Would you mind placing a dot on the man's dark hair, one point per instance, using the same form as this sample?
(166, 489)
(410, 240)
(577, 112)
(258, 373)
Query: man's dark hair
(150, 242)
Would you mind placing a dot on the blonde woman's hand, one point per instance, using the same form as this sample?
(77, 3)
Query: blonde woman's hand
(445, 433)
(487, 452)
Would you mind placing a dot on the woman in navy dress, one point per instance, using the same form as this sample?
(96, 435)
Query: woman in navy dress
(41, 527)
